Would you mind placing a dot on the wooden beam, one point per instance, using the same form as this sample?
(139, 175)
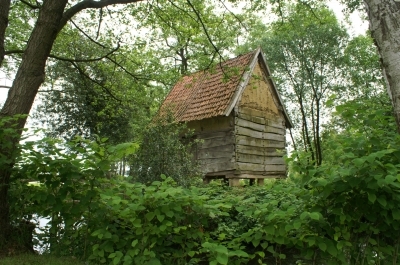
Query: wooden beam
(249, 124)
(254, 175)
(217, 167)
(221, 173)
(261, 117)
(249, 141)
(216, 152)
(207, 161)
(260, 135)
(259, 150)
(260, 167)
(256, 159)
(259, 127)
(218, 141)
(216, 134)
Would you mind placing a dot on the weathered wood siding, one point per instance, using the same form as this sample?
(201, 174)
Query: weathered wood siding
(248, 143)
(215, 124)
(216, 148)
(259, 129)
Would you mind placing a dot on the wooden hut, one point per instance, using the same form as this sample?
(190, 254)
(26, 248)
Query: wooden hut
(238, 114)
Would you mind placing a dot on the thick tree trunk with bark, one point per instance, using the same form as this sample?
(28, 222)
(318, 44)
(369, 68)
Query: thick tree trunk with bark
(20, 98)
(30, 75)
(4, 10)
(384, 23)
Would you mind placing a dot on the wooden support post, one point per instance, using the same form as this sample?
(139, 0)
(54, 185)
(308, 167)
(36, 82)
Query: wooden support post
(260, 182)
(233, 182)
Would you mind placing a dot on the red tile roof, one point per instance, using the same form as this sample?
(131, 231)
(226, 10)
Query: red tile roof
(211, 93)
(207, 94)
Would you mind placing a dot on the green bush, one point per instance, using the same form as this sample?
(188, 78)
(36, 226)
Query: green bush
(345, 211)
(165, 149)
(61, 181)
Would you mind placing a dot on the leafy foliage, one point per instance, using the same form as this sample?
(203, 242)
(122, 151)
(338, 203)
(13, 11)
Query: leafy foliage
(166, 149)
(343, 212)
(64, 185)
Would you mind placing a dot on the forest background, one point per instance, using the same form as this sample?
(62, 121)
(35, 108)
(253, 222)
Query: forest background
(100, 85)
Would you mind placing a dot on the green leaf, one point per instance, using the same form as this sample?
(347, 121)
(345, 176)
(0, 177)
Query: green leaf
(239, 253)
(160, 217)
(396, 214)
(150, 216)
(371, 197)
(118, 257)
(220, 249)
(382, 201)
(270, 230)
(134, 243)
(222, 258)
(322, 246)
(297, 224)
(314, 216)
(303, 215)
(332, 249)
(372, 241)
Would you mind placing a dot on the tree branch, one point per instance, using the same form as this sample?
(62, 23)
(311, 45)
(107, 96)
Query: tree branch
(205, 30)
(84, 60)
(95, 81)
(69, 59)
(234, 15)
(13, 51)
(89, 4)
(124, 69)
(7, 87)
(86, 35)
(100, 20)
(30, 5)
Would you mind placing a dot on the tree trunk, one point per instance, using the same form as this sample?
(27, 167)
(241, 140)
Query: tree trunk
(29, 77)
(4, 10)
(384, 24)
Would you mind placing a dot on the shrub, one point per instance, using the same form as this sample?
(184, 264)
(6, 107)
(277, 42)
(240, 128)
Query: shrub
(165, 149)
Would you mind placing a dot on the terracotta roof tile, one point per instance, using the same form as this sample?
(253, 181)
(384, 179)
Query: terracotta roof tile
(207, 94)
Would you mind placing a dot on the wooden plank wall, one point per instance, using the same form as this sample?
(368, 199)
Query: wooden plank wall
(216, 151)
(260, 143)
